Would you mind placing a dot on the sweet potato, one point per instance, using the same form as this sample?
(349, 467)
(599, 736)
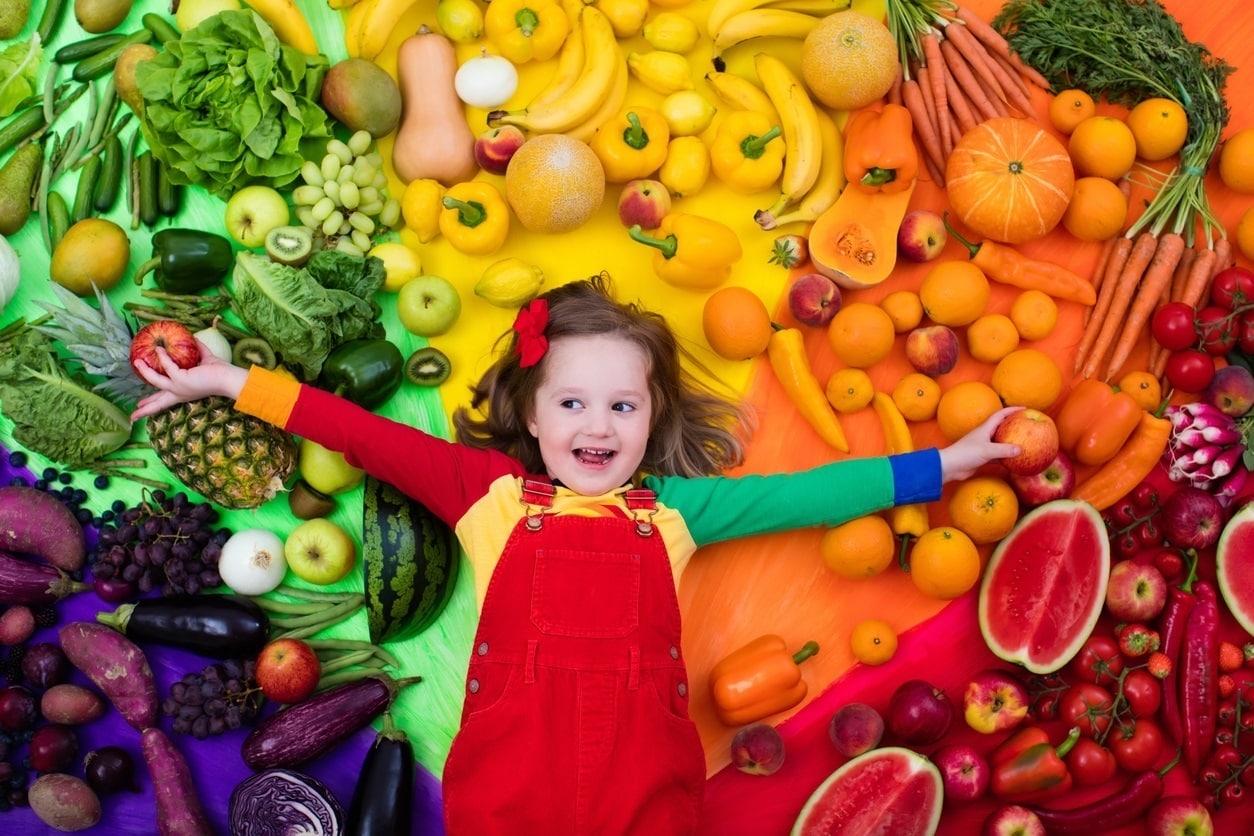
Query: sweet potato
(71, 705)
(178, 806)
(35, 522)
(64, 802)
(117, 666)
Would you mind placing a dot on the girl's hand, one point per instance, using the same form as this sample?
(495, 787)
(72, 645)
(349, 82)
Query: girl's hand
(968, 454)
(211, 376)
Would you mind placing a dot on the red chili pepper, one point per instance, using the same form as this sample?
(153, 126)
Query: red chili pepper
(1180, 603)
(1199, 693)
(1123, 807)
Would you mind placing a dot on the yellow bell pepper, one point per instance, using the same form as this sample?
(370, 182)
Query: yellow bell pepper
(632, 145)
(421, 206)
(748, 152)
(687, 166)
(475, 219)
(692, 252)
(526, 30)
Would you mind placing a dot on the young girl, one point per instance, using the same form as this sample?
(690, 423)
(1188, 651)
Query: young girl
(579, 497)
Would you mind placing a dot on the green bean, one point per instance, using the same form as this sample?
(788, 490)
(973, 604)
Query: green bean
(104, 113)
(102, 62)
(131, 169)
(50, 88)
(48, 22)
(160, 27)
(118, 125)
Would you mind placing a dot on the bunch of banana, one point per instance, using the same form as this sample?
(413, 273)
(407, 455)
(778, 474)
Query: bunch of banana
(827, 187)
(370, 24)
(731, 22)
(740, 93)
(799, 119)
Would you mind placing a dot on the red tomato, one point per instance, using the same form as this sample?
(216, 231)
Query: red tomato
(1232, 288)
(1087, 707)
(1145, 496)
(1232, 794)
(1098, 660)
(1218, 330)
(1143, 693)
(1170, 563)
(1149, 534)
(1137, 749)
(1091, 763)
(1245, 332)
(1190, 370)
(1173, 326)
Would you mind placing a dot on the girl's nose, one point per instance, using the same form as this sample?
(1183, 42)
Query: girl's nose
(599, 422)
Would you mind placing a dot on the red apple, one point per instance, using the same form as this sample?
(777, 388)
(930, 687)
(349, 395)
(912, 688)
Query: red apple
(1193, 518)
(1135, 591)
(643, 202)
(496, 146)
(932, 349)
(287, 671)
(1037, 437)
(1179, 815)
(994, 701)
(922, 235)
(1056, 481)
(757, 749)
(813, 299)
(855, 728)
(1013, 820)
(178, 341)
(964, 771)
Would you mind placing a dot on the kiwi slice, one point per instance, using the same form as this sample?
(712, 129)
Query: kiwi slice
(253, 351)
(289, 245)
(428, 367)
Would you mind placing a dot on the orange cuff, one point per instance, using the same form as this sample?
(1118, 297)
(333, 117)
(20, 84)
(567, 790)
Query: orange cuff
(268, 396)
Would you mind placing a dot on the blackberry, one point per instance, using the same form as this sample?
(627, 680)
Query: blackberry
(45, 616)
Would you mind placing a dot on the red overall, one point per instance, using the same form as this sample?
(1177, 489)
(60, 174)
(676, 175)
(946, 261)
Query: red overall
(576, 713)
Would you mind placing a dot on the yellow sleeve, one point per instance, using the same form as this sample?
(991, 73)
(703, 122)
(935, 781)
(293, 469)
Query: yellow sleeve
(268, 396)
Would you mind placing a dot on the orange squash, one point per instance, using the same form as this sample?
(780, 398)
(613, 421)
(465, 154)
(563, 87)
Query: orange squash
(1009, 180)
(854, 242)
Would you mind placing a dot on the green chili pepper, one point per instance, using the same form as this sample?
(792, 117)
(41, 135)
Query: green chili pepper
(187, 260)
(366, 372)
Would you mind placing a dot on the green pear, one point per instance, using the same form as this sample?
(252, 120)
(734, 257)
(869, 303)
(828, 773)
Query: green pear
(17, 181)
(13, 17)
(325, 470)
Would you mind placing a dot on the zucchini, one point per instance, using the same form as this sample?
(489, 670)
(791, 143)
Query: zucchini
(383, 797)
(90, 69)
(411, 559)
(217, 626)
(169, 195)
(58, 218)
(50, 20)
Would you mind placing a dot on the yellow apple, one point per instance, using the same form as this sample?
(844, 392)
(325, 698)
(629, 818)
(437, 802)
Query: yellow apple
(325, 470)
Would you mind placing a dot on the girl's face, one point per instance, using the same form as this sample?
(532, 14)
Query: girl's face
(593, 412)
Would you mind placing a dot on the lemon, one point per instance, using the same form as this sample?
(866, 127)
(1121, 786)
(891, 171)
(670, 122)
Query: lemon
(672, 32)
(461, 21)
(401, 264)
(687, 112)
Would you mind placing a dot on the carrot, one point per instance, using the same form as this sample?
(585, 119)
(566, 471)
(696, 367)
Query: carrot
(1155, 282)
(912, 98)
(1198, 282)
(992, 39)
(966, 81)
(1099, 269)
(1013, 92)
(940, 116)
(936, 76)
(977, 59)
(935, 173)
(1125, 288)
(1013, 71)
(894, 92)
(995, 97)
(1182, 273)
(1097, 313)
(1223, 255)
(958, 104)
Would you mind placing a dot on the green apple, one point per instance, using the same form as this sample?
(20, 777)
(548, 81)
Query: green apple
(252, 212)
(192, 12)
(325, 470)
(320, 552)
(428, 305)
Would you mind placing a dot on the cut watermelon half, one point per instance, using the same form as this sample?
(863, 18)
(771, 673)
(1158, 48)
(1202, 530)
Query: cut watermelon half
(885, 792)
(1234, 566)
(1044, 586)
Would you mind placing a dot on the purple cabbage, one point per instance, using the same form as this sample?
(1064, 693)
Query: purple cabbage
(281, 802)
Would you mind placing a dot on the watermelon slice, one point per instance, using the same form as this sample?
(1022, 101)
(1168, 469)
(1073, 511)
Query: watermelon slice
(1234, 566)
(1044, 585)
(885, 792)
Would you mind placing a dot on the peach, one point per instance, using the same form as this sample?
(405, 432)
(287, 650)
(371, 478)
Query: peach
(922, 235)
(496, 146)
(757, 749)
(856, 728)
(813, 299)
(1037, 437)
(643, 202)
(932, 349)
(1231, 390)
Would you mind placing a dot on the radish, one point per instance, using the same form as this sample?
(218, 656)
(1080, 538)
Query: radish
(36, 522)
(117, 666)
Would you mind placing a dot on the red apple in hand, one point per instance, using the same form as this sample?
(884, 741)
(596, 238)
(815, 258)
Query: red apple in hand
(287, 671)
(178, 341)
(1035, 434)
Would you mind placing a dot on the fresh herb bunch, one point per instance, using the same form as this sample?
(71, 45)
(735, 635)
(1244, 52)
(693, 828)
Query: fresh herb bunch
(1128, 51)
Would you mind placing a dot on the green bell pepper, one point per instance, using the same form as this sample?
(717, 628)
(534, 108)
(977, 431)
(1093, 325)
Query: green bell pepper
(187, 260)
(366, 371)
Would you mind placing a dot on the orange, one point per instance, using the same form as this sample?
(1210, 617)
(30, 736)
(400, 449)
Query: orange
(1159, 127)
(984, 508)
(1245, 234)
(860, 548)
(1069, 108)
(1034, 313)
(916, 396)
(1236, 162)
(1097, 209)
(1102, 146)
(873, 642)
(992, 337)
(954, 293)
(861, 334)
(736, 323)
(904, 309)
(1143, 388)
(944, 563)
(849, 390)
(964, 406)
(1027, 377)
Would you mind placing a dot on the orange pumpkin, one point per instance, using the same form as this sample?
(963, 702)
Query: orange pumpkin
(1009, 180)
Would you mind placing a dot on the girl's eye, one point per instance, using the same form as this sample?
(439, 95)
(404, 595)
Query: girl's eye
(571, 403)
(622, 406)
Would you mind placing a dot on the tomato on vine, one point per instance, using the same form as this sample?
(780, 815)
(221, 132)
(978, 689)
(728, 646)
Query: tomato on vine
(1173, 326)
(1144, 693)
(1232, 288)
(1098, 661)
(1137, 746)
(1086, 706)
(1217, 329)
(1090, 763)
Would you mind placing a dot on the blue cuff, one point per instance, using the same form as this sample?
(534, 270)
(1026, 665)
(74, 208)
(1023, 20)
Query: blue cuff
(916, 476)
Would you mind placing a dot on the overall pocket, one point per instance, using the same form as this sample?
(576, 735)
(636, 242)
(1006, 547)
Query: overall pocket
(586, 594)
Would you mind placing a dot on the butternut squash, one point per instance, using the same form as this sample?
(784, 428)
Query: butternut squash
(433, 140)
(854, 242)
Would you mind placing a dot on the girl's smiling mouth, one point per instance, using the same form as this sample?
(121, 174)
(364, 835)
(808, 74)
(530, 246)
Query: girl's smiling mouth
(593, 455)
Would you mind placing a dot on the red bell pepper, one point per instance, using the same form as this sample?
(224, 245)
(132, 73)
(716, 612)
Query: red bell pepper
(1028, 768)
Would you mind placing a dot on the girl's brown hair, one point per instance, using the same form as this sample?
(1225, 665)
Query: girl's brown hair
(695, 432)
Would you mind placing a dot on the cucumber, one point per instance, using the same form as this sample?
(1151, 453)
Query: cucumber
(86, 48)
(85, 192)
(411, 559)
(110, 175)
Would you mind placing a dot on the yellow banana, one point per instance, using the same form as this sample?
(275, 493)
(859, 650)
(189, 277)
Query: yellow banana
(826, 189)
(905, 520)
(570, 60)
(800, 120)
(763, 23)
(509, 283)
(380, 24)
(610, 106)
(724, 10)
(822, 8)
(741, 93)
(352, 26)
(341, 4)
(588, 92)
(288, 23)
(662, 72)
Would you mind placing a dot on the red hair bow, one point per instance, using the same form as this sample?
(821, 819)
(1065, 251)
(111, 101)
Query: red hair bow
(529, 325)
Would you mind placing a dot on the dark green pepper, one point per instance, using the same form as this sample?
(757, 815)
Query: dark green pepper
(366, 372)
(187, 260)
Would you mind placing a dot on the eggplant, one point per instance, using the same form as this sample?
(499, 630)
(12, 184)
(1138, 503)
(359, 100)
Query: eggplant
(216, 626)
(24, 582)
(383, 799)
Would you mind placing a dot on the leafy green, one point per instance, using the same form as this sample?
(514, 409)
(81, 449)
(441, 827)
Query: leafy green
(306, 312)
(228, 105)
(53, 414)
(19, 73)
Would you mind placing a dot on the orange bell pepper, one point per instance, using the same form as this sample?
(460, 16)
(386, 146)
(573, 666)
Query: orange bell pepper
(758, 680)
(1096, 420)
(879, 150)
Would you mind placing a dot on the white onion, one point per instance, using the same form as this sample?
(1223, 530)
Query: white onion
(217, 344)
(486, 81)
(252, 561)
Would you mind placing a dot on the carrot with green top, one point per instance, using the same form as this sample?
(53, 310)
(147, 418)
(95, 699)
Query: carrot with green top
(958, 105)
(1200, 274)
(1106, 292)
(912, 99)
(976, 58)
(967, 81)
(1153, 284)
(986, 65)
(992, 39)
(936, 78)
